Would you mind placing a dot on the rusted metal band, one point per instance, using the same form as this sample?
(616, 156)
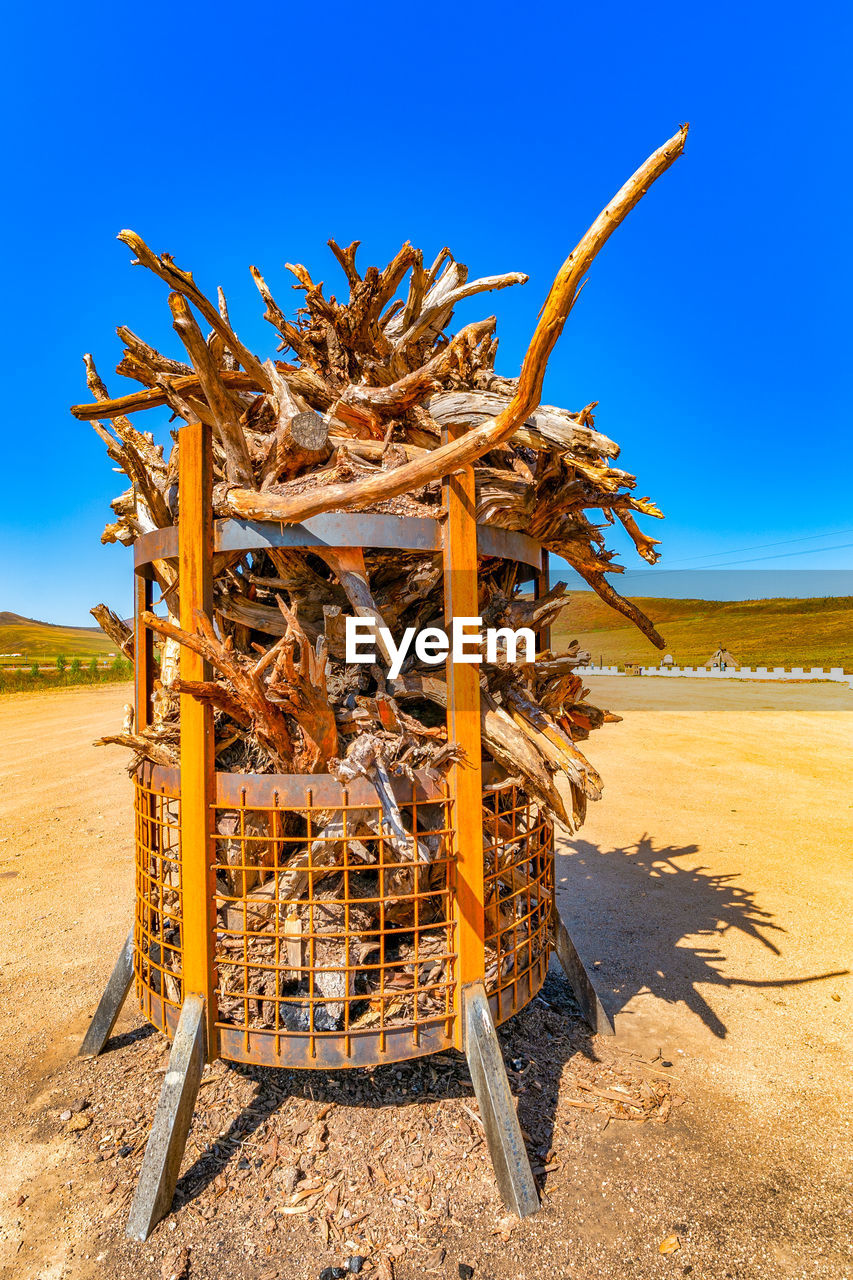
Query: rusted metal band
(508, 544)
(342, 529)
(294, 790)
(340, 1049)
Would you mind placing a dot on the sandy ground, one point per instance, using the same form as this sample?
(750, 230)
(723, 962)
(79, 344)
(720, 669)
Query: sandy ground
(711, 890)
(713, 881)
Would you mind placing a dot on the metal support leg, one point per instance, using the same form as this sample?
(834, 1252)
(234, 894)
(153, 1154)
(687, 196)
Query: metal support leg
(591, 1007)
(115, 994)
(497, 1109)
(162, 1161)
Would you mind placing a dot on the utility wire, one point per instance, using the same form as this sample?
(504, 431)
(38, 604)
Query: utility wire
(786, 542)
(780, 555)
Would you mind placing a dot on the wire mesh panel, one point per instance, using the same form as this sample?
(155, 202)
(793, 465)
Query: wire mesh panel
(333, 931)
(158, 913)
(334, 936)
(518, 850)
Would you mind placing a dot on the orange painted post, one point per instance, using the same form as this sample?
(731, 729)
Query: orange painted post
(463, 727)
(198, 762)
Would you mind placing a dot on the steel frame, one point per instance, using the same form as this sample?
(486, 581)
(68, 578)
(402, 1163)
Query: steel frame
(196, 1036)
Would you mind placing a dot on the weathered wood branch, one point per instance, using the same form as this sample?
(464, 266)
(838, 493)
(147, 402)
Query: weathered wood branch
(290, 333)
(546, 427)
(301, 438)
(627, 608)
(377, 407)
(155, 397)
(644, 544)
(114, 627)
(150, 357)
(297, 683)
(436, 313)
(503, 611)
(143, 748)
(137, 455)
(468, 448)
(183, 283)
(504, 741)
(347, 564)
(237, 462)
(269, 723)
(346, 257)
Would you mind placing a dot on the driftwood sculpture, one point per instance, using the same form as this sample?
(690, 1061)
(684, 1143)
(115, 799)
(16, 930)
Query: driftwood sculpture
(371, 404)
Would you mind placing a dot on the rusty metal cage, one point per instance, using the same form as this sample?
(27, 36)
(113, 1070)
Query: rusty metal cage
(344, 954)
(279, 920)
(260, 892)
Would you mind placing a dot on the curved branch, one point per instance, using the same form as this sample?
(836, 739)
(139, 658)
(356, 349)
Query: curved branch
(346, 257)
(155, 397)
(468, 448)
(183, 283)
(608, 593)
(430, 313)
(409, 390)
(237, 461)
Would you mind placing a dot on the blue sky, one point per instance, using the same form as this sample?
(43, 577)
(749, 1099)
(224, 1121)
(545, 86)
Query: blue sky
(714, 329)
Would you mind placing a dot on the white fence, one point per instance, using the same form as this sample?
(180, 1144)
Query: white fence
(731, 673)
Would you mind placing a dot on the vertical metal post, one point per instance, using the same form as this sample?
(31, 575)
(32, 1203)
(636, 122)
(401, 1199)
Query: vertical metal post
(143, 678)
(195, 1039)
(463, 727)
(540, 589)
(143, 653)
(474, 1030)
(198, 779)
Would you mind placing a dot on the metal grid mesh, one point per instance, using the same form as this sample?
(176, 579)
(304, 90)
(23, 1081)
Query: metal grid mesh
(334, 940)
(157, 919)
(328, 925)
(518, 849)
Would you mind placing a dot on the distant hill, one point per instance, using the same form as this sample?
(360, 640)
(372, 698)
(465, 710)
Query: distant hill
(36, 639)
(767, 633)
(770, 633)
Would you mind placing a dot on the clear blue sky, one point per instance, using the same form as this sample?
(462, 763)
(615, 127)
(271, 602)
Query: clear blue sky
(715, 328)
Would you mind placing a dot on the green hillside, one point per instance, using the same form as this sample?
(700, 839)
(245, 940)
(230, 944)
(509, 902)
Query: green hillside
(43, 640)
(767, 633)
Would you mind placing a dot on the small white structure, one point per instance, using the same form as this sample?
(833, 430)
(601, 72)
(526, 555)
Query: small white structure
(722, 660)
(837, 674)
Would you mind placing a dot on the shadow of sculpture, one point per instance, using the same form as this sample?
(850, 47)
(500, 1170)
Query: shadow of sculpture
(655, 924)
(638, 911)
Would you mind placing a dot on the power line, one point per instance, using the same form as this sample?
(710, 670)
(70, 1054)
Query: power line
(780, 555)
(761, 546)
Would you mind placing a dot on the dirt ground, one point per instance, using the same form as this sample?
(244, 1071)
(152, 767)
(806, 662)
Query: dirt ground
(711, 891)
